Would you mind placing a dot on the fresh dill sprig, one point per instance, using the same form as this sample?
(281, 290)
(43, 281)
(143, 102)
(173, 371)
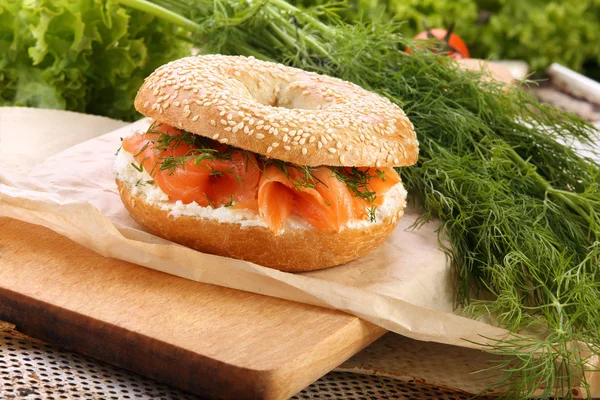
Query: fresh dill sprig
(306, 180)
(141, 182)
(138, 168)
(520, 207)
(372, 216)
(166, 142)
(357, 182)
(230, 203)
(201, 149)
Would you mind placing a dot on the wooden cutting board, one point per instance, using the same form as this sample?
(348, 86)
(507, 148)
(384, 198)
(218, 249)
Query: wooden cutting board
(209, 340)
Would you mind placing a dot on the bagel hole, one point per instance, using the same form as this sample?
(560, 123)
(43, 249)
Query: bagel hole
(273, 100)
(291, 102)
(284, 96)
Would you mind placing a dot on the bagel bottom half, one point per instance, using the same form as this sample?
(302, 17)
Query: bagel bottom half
(294, 250)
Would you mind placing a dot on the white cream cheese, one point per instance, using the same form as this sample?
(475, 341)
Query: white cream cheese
(141, 184)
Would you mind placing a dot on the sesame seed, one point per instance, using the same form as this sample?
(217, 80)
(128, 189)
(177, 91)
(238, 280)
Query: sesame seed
(215, 136)
(332, 150)
(304, 150)
(269, 149)
(275, 144)
(259, 136)
(354, 115)
(287, 148)
(224, 140)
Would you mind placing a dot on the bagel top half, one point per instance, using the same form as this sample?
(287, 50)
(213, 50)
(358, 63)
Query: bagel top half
(279, 112)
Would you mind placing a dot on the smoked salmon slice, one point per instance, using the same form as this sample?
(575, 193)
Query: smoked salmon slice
(275, 199)
(190, 168)
(186, 173)
(238, 181)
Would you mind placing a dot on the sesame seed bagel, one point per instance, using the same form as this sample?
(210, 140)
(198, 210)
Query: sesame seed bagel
(279, 112)
(294, 250)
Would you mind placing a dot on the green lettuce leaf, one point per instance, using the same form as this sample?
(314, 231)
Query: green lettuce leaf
(80, 55)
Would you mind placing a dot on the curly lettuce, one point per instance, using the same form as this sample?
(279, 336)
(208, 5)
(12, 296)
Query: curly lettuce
(82, 55)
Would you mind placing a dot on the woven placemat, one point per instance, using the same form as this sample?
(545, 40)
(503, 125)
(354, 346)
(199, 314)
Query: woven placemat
(32, 370)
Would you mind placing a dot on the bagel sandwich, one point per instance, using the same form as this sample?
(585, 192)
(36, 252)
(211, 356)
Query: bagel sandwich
(271, 164)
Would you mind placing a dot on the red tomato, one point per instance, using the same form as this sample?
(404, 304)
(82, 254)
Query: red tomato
(452, 44)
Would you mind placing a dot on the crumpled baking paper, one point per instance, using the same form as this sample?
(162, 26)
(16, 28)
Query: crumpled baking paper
(405, 286)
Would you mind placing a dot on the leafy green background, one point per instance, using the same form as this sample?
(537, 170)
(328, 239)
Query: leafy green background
(538, 31)
(92, 55)
(83, 55)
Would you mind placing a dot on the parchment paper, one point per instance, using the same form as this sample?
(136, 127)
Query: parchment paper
(47, 133)
(406, 286)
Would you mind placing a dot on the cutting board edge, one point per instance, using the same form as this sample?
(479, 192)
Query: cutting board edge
(74, 329)
(48, 325)
(328, 362)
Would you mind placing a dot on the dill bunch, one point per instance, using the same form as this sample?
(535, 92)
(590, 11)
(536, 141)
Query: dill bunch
(519, 205)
